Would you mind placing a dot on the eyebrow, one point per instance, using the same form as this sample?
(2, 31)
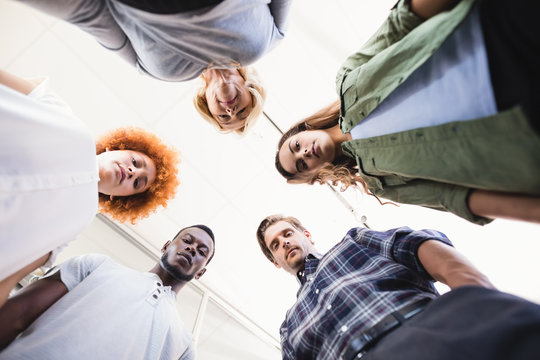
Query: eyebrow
(271, 245)
(245, 116)
(201, 243)
(144, 166)
(217, 116)
(282, 232)
(296, 162)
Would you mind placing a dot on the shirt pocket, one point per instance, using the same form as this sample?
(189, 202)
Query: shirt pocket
(348, 96)
(378, 178)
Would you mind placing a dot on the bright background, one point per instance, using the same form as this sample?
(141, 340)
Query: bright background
(229, 183)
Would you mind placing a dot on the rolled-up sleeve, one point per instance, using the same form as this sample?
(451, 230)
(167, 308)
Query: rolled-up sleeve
(406, 243)
(434, 195)
(399, 23)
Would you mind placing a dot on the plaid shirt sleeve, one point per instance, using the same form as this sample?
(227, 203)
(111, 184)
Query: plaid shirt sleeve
(286, 348)
(401, 244)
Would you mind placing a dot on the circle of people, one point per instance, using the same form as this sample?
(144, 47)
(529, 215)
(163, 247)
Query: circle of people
(439, 108)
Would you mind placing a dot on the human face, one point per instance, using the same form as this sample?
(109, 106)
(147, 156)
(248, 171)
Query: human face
(186, 256)
(306, 152)
(288, 245)
(125, 172)
(228, 98)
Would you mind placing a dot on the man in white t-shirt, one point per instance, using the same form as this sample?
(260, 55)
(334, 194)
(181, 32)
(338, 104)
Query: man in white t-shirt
(93, 308)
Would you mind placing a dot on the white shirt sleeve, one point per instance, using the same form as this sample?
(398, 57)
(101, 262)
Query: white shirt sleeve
(44, 94)
(76, 269)
(189, 354)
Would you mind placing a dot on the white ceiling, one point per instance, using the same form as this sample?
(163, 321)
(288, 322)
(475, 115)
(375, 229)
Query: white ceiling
(229, 183)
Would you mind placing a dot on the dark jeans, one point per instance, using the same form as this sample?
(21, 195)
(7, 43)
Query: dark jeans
(512, 42)
(469, 323)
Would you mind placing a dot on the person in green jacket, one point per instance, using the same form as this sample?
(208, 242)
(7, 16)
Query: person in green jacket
(429, 115)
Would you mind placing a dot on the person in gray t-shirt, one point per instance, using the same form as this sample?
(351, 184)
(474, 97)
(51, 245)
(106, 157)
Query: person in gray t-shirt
(179, 46)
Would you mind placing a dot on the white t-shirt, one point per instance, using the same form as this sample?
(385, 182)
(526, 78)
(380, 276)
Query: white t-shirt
(452, 85)
(110, 312)
(48, 176)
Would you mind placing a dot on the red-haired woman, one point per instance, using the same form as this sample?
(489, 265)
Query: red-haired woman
(54, 177)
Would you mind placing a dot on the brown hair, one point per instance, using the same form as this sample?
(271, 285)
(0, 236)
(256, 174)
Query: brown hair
(163, 188)
(269, 221)
(342, 170)
(255, 88)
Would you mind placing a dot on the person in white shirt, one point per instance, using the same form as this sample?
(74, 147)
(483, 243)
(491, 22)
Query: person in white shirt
(93, 308)
(52, 182)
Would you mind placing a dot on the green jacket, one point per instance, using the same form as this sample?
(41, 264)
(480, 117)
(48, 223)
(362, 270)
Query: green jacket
(434, 166)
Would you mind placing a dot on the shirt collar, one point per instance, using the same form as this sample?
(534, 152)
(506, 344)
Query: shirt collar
(310, 265)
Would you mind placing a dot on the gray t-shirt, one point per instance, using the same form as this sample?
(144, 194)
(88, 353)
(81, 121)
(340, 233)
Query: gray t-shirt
(110, 312)
(179, 47)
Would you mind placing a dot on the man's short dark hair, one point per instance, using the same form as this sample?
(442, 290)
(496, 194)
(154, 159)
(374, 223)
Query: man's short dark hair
(269, 221)
(207, 230)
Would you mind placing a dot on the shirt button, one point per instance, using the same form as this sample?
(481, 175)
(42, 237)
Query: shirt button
(158, 284)
(344, 328)
(310, 278)
(154, 296)
(317, 291)
(329, 307)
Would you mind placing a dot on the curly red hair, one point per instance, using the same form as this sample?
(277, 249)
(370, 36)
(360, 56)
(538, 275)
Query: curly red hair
(166, 159)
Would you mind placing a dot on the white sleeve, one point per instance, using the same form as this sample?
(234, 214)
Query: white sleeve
(44, 94)
(52, 258)
(189, 354)
(76, 269)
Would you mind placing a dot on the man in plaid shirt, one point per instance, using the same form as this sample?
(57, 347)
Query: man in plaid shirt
(372, 296)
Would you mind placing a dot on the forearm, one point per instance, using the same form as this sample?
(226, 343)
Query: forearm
(493, 204)
(447, 265)
(17, 83)
(11, 281)
(22, 309)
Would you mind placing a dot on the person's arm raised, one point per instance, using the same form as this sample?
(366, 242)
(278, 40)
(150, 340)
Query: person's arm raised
(428, 8)
(18, 83)
(447, 265)
(22, 309)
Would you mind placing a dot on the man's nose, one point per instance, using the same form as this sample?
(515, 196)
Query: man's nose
(190, 249)
(286, 244)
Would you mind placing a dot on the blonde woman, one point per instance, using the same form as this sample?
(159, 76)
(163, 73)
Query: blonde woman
(230, 98)
(177, 41)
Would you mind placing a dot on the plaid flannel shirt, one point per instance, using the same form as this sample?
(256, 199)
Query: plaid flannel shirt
(365, 277)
